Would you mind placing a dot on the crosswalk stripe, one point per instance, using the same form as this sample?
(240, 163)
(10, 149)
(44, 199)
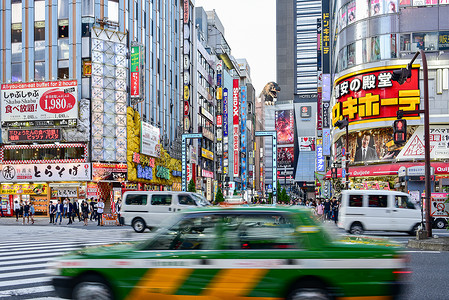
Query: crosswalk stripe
(42, 279)
(24, 273)
(13, 268)
(26, 257)
(25, 291)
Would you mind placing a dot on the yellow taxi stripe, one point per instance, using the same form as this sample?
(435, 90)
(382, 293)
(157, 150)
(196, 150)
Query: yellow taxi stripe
(160, 281)
(197, 297)
(230, 283)
(366, 298)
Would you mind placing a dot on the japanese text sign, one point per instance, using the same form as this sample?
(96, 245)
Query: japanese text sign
(46, 172)
(33, 101)
(49, 134)
(372, 95)
(135, 71)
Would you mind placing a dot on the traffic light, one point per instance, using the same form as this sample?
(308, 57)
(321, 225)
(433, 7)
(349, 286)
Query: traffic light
(400, 131)
(401, 75)
(334, 172)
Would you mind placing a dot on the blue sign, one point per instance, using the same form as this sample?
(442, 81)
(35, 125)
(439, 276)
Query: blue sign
(343, 152)
(343, 173)
(192, 136)
(243, 116)
(176, 173)
(144, 172)
(319, 158)
(225, 112)
(218, 79)
(326, 141)
(265, 133)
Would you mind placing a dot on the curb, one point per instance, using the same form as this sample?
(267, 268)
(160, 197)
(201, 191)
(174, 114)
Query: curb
(429, 244)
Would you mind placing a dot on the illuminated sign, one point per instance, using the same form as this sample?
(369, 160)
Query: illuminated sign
(135, 71)
(207, 154)
(235, 102)
(372, 95)
(225, 112)
(319, 156)
(243, 135)
(285, 126)
(286, 156)
(236, 150)
(53, 134)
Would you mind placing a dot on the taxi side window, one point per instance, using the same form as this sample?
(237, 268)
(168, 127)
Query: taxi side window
(136, 199)
(265, 231)
(197, 233)
(377, 201)
(186, 200)
(161, 200)
(403, 202)
(356, 200)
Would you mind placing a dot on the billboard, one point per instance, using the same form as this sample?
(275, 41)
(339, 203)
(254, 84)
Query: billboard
(243, 107)
(285, 126)
(307, 143)
(32, 135)
(135, 72)
(414, 148)
(375, 145)
(149, 140)
(235, 122)
(45, 172)
(319, 156)
(31, 101)
(372, 95)
(225, 112)
(109, 172)
(286, 156)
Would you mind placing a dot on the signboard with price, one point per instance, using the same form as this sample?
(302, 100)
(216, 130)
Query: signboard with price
(32, 101)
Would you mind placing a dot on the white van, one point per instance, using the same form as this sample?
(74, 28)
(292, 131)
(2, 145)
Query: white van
(377, 210)
(148, 209)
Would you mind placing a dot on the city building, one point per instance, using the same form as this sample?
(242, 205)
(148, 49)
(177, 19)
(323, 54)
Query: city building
(297, 65)
(371, 40)
(69, 72)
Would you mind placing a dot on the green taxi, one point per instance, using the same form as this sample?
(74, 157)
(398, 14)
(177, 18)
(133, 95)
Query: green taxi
(235, 253)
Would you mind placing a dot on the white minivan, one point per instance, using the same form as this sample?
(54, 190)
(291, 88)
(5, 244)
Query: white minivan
(148, 209)
(377, 210)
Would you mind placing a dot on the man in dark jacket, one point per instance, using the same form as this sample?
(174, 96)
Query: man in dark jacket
(327, 209)
(59, 212)
(52, 212)
(70, 212)
(93, 209)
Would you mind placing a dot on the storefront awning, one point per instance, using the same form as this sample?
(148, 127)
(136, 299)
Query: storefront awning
(389, 169)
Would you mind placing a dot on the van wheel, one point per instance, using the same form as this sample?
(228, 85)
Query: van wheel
(356, 228)
(440, 224)
(414, 230)
(139, 225)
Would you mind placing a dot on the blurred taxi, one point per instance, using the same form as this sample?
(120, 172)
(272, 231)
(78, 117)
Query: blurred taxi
(235, 253)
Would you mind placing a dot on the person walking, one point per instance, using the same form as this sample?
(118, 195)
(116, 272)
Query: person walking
(118, 208)
(93, 205)
(70, 212)
(319, 209)
(100, 208)
(59, 212)
(327, 209)
(21, 208)
(65, 207)
(335, 209)
(76, 210)
(52, 212)
(26, 213)
(85, 212)
(16, 210)
(32, 212)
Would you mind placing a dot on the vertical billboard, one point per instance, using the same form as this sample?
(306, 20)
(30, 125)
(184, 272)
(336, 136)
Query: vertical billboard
(319, 156)
(149, 140)
(243, 105)
(285, 127)
(235, 122)
(135, 72)
(225, 131)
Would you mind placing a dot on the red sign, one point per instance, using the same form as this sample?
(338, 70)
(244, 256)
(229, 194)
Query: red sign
(236, 150)
(372, 95)
(219, 120)
(135, 84)
(53, 134)
(186, 108)
(186, 11)
(56, 101)
(235, 102)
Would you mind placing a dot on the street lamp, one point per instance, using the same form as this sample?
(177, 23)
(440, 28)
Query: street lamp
(344, 124)
(401, 76)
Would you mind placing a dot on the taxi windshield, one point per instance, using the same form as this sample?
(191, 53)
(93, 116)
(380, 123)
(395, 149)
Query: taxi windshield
(200, 200)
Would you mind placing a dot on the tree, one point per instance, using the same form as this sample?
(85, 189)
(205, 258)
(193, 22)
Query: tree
(284, 197)
(270, 197)
(191, 187)
(219, 196)
(235, 193)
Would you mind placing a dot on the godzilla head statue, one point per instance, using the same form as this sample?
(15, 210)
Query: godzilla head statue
(270, 93)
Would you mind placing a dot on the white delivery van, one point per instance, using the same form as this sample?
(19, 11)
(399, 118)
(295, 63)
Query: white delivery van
(377, 210)
(148, 209)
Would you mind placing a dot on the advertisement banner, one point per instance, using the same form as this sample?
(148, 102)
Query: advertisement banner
(235, 102)
(24, 188)
(149, 140)
(285, 127)
(31, 135)
(307, 143)
(326, 142)
(439, 146)
(326, 39)
(225, 112)
(207, 154)
(319, 156)
(326, 115)
(92, 190)
(31, 101)
(46, 172)
(377, 145)
(109, 172)
(236, 150)
(243, 116)
(286, 157)
(135, 71)
(70, 192)
(319, 116)
(372, 95)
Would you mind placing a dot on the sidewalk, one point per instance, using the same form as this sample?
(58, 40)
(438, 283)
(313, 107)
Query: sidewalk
(45, 221)
(434, 244)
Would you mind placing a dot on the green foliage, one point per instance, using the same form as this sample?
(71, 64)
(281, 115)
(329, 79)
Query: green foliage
(270, 197)
(235, 193)
(219, 196)
(283, 197)
(191, 187)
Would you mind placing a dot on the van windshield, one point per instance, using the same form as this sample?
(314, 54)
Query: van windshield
(200, 200)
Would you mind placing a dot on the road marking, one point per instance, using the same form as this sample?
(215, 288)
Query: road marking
(420, 251)
(25, 291)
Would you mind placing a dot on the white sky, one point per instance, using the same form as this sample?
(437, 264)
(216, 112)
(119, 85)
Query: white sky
(250, 30)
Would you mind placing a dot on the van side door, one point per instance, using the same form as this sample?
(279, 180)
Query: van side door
(378, 213)
(161, 204)
(405, 214)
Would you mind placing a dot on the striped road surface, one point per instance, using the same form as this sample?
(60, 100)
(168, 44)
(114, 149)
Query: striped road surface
(25, 252)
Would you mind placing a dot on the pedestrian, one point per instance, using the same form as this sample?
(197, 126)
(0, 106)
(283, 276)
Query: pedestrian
(70, 212)
(85, 211)
(118, 208)
(335, 209)
(59, 212)
(32, 212)
(93, 205)
(52, 212)
(16, 210)
(21, 208)
(100, 208)
(327, 209)
(65, 206)
(26, 213)
(319, 209)
(76, 209)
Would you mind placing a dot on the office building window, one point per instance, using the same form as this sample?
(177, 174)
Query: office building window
(63, 9)
(87, 8)
(63, 28)
(39, 31)
(63, 73)
(113, 10)
(39, 10)
(16, 72)
(39, 70)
